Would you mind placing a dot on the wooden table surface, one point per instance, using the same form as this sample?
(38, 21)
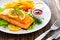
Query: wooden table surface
(32, 36)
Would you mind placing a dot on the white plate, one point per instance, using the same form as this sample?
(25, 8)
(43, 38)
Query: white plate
(46, 15)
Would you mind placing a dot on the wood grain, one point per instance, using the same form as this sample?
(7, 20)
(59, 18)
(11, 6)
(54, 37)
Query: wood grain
(55, 15)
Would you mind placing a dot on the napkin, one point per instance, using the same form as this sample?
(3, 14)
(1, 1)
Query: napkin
(58, 4)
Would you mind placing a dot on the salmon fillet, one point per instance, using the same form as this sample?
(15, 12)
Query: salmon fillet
(22, 24)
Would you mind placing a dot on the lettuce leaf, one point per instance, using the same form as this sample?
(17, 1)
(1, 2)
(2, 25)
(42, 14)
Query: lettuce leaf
(32, 26)
(2, 9)
(3, 22)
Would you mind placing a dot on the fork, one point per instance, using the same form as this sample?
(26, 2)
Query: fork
(55, 26)
(54, 36)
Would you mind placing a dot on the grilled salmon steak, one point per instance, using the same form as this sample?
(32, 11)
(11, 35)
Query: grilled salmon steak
(25, 23)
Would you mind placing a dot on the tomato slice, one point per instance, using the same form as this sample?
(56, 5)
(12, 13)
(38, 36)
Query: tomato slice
(25, 8)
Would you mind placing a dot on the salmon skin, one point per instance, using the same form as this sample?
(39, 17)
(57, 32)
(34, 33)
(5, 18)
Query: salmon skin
(22, 24)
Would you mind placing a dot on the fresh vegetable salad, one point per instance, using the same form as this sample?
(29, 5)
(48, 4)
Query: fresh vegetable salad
(19, 15)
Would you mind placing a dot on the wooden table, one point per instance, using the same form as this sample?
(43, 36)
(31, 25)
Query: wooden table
(32, 36)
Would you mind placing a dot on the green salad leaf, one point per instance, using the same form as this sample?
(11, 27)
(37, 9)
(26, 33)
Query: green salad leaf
(37, 21)
(2, 9)
(3, 22)
(32, 26)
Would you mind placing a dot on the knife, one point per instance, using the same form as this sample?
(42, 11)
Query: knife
(55, 36)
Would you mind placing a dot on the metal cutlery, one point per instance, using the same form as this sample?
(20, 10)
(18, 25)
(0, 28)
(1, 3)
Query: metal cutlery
(55, 26)
(55, 36)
